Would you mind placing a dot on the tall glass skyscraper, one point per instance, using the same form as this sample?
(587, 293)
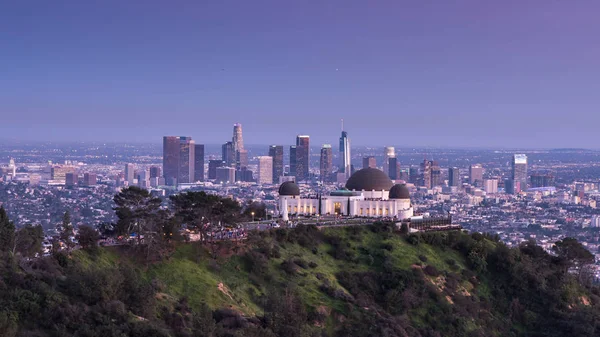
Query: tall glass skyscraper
(454, 176)
(519, 171)
(199, 162)
(276, 152)
(302, 157)
(178, 160)
(388, 152)
(325, 163)
(345, 158)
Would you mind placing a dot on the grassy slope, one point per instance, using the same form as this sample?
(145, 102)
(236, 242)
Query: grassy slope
(190, 272)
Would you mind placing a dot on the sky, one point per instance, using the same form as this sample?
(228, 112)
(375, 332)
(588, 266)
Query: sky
(405, 73)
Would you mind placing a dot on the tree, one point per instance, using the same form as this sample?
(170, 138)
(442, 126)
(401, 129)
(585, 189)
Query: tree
(7, 232)
(575, 256)
(66, 231)
(203, 212)
(28, 241)
(88, 237)
(255, 210)
(138, 213)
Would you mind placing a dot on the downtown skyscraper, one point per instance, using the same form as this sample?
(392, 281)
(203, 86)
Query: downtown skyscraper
(345, 158)
(178, 160)
(302, 157)
(325, 163)
(519, 172)
(276, 152)
(388, 152)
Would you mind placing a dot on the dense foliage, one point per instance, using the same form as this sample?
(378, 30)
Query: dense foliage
(353, 281)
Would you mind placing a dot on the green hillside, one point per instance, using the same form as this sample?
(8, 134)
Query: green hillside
(352, 281)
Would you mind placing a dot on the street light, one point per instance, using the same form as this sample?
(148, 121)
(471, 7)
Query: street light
(252, 216)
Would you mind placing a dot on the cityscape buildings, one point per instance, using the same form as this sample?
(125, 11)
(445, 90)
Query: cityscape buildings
(225, 175)
(454, 176)
(213, 164)
(388, 152)
(369, 162)
(198, 162)
(476, 174)
(345, 156)
(265, 170)
(519, 171)
(302, 157)
(276, 152)
(326, 163)
(178, 160)
(228, 153)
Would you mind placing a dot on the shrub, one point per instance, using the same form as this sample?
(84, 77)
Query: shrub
(431, 270)
(423, 258)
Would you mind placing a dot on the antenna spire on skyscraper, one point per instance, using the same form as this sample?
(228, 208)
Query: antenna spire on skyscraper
(342, 124)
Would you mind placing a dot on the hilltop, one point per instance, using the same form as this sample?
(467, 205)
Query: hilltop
(353, 281)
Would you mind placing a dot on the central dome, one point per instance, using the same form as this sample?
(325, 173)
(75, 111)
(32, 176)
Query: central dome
(369, 179)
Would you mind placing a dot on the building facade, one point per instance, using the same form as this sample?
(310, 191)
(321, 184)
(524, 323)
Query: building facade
(178, 160)
(369, 162)
(198, 163)
(276, 152)
(326, 163)
(368, 193)
(302, 157)
(265, 170)
(454, 177)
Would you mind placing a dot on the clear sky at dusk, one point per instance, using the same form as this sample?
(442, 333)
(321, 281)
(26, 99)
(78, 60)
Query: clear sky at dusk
(417, 73)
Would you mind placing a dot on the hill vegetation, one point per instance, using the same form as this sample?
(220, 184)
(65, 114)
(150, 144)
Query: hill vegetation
(353, 281)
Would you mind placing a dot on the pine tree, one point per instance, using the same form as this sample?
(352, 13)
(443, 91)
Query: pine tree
(7, 232)
(66, 231)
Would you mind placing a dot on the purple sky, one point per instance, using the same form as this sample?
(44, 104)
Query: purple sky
(414, 73)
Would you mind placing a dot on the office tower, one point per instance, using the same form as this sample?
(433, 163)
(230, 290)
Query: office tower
(178, 160)
(302, 157)
(454, 176)
(212, 168)
(237, 140)
(388, 152)
(490, 186)
(71, 179)
(293, 160)
(143, 180)
(90, 179)
(59, 172)
(12, 167)
(345, 158)
(326, 163)
(404, 175)
(228, 153)
(225, 175)
(425, 179)
(393, 168)
(198, 162)
(155, 172)
(244, 175)
(276, 152)
(542, 180)
(129, 173)
(241, 159)
(265, 170)
(413, 175)
(519, 170)
(436, 175)
(369, 162)
(476, 174)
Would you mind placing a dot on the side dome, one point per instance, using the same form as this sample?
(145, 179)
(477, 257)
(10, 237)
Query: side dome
(399, 191)
(289, 188)
(369, 179)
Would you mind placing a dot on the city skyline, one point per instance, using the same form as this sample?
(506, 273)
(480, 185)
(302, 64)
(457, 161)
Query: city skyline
(453, 65)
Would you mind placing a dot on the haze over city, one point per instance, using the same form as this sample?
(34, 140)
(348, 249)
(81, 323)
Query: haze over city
(484, 74)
